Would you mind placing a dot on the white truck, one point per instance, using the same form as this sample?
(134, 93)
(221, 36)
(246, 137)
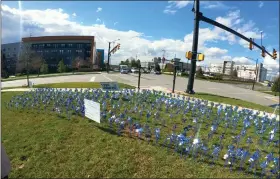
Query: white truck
(124, 69)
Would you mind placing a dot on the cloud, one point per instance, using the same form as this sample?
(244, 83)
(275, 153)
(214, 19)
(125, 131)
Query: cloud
(98, 20)
(261, 4)
(74, 14)
(116, 23)
(99, 9)
(168, 11)
(215, 5)
(174, 6)
(57, 22)
(242, 61)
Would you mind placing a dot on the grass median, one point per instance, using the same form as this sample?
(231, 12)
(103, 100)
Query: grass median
(47, 75)
(271, 93)
(232, 101)
(78, 85)
(44, 145)
(205, 96)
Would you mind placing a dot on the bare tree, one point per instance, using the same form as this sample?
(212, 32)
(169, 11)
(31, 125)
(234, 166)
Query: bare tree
(24, 60)
(37, 62)
(76, 63)
(29, 60)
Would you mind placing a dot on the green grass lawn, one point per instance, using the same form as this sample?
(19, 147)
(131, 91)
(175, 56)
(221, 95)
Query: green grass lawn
(44, 144)
(271, 93)
(78, 85)
(46, 75)
(14, 87)
(231, 101)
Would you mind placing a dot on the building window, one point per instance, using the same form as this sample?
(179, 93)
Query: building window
(70, 45)
(79, 51)
(62, 45)
(69, 51)
(48, 45)
(80, 45)
(46, 51)
(61, 51)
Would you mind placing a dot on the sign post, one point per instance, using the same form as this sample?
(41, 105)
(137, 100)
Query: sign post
(110, 86)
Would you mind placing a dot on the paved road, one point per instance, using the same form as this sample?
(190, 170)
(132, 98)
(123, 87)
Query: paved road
(165, 81)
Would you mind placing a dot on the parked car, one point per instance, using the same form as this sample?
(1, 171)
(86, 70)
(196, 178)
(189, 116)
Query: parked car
(124, 71)
(157, 72)
(145, 70)
(134, 70)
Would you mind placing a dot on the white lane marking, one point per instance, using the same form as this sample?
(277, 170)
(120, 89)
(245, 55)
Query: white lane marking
(92, 79)
(107, 78)
(213, 88)
(123, 77)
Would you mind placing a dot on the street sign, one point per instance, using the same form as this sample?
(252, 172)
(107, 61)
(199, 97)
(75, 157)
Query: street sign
(110, 86)
(92, 110)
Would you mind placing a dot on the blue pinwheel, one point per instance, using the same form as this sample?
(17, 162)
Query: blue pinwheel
(253, 160)
(157, 134)
(215, 153)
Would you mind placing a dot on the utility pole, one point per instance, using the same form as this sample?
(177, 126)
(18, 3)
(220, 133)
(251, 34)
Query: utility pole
(256, 73)
(27, 52)
(139, 75)
(174, 74)
(194, 49)
(109, 54)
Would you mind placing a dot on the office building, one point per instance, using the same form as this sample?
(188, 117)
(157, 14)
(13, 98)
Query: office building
(66, 48)
(243, 71)
(55, 48)
(11, 53)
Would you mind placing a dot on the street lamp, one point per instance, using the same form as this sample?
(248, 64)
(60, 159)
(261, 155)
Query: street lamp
(110, 54)
(256, 72)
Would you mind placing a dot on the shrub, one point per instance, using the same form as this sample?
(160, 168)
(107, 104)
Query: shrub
(276, 86)
(184, 74)
(199, 73)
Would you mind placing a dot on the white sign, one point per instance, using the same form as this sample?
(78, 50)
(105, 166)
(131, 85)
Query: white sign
(110, 85)
(92, 110)
(30, 84)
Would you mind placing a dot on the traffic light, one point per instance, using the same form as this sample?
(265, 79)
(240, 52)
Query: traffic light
(274, 54)
(251, 44)
(263, 53)
(189, 55)
(200, 57)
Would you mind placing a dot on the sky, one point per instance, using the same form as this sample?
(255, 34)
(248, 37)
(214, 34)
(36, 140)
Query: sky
(146, 28)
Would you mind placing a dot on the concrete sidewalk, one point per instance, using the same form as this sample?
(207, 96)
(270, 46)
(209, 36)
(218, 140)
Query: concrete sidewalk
(165, 90)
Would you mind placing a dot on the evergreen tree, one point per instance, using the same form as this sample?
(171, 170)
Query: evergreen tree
(61, 67)
(276, 86)
(44, 68)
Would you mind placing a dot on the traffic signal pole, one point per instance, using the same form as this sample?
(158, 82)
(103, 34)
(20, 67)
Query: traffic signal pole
(210, 21)
(108, 57)
(199, 16)
(194, 49)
